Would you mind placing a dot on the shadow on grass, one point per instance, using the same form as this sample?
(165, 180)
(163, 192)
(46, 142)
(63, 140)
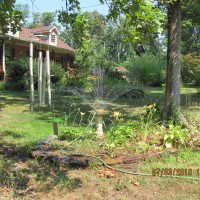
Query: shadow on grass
(12, 134)
(28, 176)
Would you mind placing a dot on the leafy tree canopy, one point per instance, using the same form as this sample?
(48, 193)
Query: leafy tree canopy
(44, 19)
(24, 9)
(8, 15)
(142, 19)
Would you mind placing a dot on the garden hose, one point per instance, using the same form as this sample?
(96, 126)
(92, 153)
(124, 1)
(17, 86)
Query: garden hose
(121, 170)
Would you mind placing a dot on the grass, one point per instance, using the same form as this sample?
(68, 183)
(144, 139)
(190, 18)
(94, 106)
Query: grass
(186, 158)
(24, 178)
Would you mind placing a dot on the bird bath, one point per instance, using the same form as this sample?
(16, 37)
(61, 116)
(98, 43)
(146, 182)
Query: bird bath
(100, 113)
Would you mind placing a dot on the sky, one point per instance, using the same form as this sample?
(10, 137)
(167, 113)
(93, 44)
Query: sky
(53, 5)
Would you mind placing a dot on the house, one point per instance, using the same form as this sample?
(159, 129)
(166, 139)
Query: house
(14, 46)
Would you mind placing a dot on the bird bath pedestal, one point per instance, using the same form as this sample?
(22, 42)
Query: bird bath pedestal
(100, 113)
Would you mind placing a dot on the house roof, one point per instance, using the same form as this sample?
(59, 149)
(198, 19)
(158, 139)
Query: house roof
(29, 34)
(45, 29)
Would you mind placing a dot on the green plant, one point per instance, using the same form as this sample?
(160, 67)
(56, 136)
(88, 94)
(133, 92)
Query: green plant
(141, 147)
(174, 135)
(73, 128)
(119, 133)
(147, 69)
(19, 76)
(18, 73)
(197, 78)
(3, 86)
(71, 133)
(190, 70)
(135, 94)
(148, 121)
(198, 92)
(70, 115)
(57, 73)
(78, 77)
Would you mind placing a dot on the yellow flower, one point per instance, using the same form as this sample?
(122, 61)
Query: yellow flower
(117, 114)
(144, 112)
(82, 113)
(151, 106)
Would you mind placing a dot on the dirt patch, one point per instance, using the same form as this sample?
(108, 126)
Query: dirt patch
(44, 151)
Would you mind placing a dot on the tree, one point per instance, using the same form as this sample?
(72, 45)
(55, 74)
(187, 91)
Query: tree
(24, 9)
(68, 37)
(172, 93)
(190, 28)
(117, 49)
(36, 21)
(106, 47)
(48, 18)
(96, 23)
(9, 16)
(44, 19)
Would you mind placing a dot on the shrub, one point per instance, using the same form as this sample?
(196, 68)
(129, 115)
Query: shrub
(19, 77)
(135, 94)
(72, 133)
(57, 73)
(3, 86)
(175, 135)
(147, 69)
(18, 74)
(190, 69)
(78, 78)
(118, 134)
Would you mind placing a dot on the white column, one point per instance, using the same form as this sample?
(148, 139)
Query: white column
(4, 61)
(48, 78)
(40, 79)
(31, 77)
(44, 77)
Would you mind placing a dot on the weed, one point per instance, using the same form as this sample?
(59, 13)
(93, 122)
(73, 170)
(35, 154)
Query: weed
(118, 134)
(175, 134)
(122, 184)
(148, 121)
(70, 133)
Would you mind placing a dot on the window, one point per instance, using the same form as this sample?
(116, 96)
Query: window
(53, 38)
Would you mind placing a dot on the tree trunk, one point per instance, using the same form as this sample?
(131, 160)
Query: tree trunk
(172, 93)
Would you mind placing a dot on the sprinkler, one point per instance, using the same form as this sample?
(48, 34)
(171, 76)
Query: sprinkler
(100, 96)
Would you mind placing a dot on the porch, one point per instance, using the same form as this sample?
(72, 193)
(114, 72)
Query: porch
(14, 48)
